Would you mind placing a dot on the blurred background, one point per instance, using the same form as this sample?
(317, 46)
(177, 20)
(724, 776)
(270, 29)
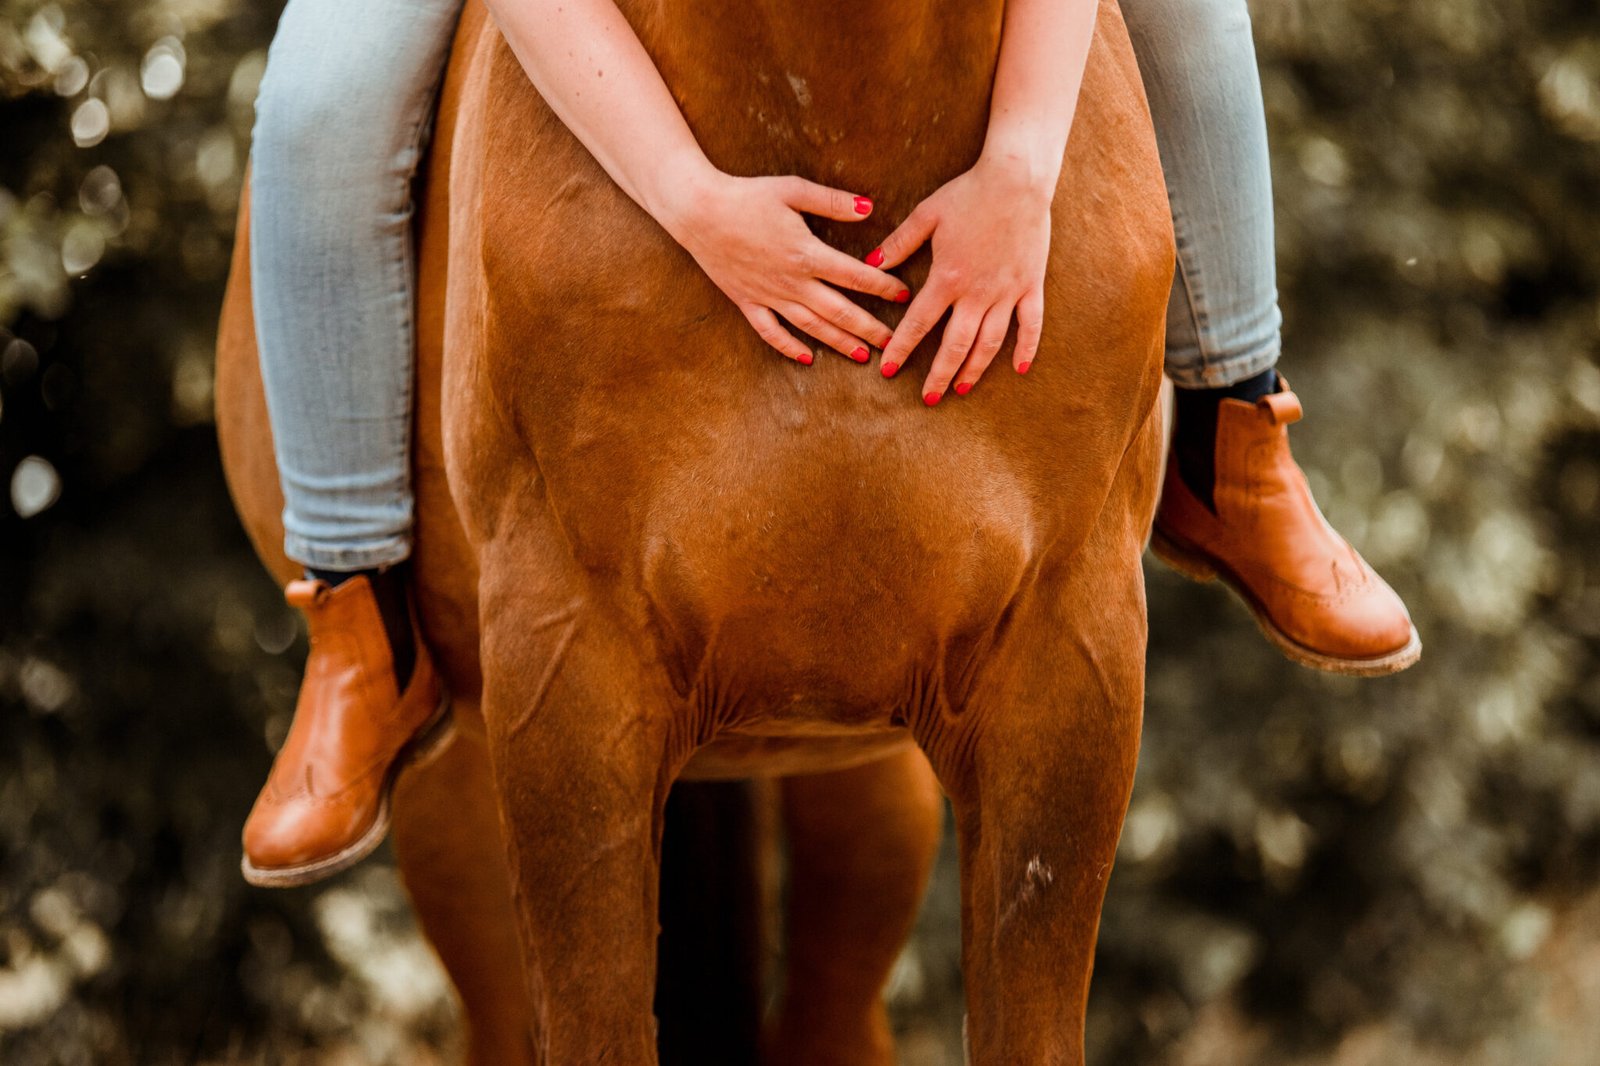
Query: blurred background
(1314, 871)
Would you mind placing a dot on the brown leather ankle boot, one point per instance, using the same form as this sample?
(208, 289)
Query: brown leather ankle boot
(326, 804)
(1314, 597)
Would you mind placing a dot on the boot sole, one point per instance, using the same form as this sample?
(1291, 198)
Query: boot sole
(1194, 564)
(438, 731)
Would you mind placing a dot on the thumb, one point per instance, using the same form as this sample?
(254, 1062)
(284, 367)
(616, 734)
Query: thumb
(907, 238)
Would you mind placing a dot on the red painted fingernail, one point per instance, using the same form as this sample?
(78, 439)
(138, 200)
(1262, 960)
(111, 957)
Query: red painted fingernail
(889, 369)
(1022, 368)
(805, 360)
(963, 387)
(860, 355)
(902, 296)
(863, 206)
(875, 257)
(930, 398)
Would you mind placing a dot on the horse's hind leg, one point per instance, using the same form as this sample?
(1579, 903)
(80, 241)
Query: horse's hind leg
(1039, 765)
(581, 771)
(861, 843)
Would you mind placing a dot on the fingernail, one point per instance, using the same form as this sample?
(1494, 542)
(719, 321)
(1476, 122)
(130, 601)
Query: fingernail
(860, 355)
(889, 369)
(805, 360)
(930, 398)
(902, 296)
(863, 206)
(963, 387)
(875, 257)
(1022, 368)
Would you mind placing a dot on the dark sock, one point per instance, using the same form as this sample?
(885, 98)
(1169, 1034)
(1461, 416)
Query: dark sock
(389, 590)
(1194, 437)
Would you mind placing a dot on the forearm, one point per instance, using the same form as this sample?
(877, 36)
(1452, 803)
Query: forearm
(1044, 46)
(588, 64)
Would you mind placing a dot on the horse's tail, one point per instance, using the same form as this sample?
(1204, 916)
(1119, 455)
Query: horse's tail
(711, 964)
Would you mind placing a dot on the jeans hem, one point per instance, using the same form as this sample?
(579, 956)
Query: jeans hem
(385, 552)
(1192, 372)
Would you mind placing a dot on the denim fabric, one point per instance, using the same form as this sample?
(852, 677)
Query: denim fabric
(1199, 65)
(342, 114)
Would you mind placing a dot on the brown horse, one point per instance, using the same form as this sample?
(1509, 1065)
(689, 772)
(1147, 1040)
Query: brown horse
(649, 549)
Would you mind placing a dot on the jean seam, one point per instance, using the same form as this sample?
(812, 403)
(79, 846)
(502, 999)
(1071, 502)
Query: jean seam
(414, 144)
(1197, 317)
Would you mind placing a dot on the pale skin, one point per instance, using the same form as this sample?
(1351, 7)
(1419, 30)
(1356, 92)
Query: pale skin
(989, 227)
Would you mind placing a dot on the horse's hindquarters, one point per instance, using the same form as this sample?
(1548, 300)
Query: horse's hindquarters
(686, 541)
(754, 520)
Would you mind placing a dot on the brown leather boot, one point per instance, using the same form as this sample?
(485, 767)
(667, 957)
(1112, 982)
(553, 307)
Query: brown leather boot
(1314, 597)
(326, 804)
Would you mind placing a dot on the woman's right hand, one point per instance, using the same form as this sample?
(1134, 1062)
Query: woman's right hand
(748, 235)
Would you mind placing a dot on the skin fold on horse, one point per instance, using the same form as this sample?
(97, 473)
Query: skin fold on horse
(648, 548)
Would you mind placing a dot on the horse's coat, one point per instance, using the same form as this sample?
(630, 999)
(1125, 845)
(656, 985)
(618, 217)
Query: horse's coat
(648, 547)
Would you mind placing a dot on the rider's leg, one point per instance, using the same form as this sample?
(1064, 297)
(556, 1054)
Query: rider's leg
(340, 122)
(1251, 521)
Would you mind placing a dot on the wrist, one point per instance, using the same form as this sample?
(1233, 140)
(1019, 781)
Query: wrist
(1028, 162)
(681, 189)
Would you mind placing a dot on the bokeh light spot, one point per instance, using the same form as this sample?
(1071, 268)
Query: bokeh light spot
(100, 191)
(161, 73)
(72, 77)
(90, 123)
(82, 247)
(35, 486)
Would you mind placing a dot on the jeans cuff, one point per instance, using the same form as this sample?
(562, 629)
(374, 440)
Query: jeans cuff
(1205, 373)
(345, 557)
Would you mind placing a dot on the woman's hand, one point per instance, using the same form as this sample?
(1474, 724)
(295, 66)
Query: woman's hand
(991, 240)
(748, 235)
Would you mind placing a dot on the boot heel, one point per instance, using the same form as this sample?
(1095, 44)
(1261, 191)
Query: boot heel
(1188, 563)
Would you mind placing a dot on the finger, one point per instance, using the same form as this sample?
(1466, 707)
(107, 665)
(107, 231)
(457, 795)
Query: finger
(849, 273)
(814, 199)
(907, 238)
(1030, 324)
(959, 334)
(845, 313)
(923, 314)
(807, 320)
(767, 327)
(991, 336)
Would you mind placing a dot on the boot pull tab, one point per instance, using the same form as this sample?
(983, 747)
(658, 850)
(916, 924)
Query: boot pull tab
(1282, 407)
(304, 594)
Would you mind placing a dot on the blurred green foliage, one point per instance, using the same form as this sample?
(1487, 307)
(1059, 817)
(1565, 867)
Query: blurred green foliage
(1313, 870)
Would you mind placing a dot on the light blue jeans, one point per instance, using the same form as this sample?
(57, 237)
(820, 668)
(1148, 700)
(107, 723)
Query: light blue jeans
(1199, 65)
(341, 118)
(340, 123)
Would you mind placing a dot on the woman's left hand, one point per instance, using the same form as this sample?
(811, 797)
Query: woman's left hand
(991, 240)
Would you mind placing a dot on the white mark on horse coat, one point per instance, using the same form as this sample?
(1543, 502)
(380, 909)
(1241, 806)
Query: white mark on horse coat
(802, 91)
(1036, 877)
